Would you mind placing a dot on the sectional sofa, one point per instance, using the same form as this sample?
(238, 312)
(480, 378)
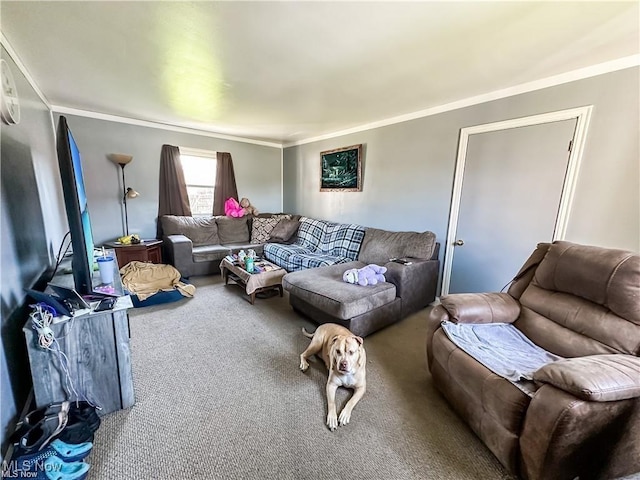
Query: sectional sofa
(316, 259)
(323, 251)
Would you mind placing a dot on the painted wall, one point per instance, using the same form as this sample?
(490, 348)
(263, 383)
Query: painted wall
(409, 167)
(258, 172)
(31, 229)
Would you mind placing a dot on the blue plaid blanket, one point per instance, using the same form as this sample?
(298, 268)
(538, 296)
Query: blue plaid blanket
(319, 243)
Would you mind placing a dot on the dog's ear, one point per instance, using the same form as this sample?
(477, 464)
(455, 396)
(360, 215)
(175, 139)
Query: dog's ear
(334, 339)
(359, 340)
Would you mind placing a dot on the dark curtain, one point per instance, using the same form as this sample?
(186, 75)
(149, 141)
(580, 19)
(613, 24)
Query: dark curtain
(173, 198)
(225, 182)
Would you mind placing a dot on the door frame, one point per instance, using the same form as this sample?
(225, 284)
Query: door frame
(583, 117)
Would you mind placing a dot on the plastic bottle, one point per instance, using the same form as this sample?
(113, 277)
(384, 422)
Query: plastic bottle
(248, 262)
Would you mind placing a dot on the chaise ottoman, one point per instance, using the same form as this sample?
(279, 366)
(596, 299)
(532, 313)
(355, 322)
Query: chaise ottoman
(321, 294)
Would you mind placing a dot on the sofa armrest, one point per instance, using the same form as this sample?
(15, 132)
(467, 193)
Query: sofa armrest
(415, 284)
(178, 251)
(481, 307)
(595, 378)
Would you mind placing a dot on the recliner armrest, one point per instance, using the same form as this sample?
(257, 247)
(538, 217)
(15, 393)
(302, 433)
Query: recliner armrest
(595, 378)
(481, 307)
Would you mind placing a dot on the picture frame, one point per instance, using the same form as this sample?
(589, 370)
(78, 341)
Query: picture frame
(341, 169)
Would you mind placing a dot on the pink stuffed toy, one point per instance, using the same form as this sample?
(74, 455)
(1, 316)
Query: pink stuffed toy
(232, 208)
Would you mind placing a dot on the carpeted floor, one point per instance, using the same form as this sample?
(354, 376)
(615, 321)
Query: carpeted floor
(219, 395)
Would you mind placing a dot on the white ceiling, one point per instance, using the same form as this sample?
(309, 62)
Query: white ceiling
(287, 71)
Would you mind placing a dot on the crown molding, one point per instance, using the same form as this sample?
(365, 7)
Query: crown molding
(16, 59)
(162, 126)
(574, 75)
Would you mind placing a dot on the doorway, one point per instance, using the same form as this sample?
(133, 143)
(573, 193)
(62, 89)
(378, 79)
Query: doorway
(513, 188)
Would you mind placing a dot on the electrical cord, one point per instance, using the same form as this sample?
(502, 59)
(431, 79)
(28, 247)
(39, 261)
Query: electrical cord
(41, 319)
(61, 255)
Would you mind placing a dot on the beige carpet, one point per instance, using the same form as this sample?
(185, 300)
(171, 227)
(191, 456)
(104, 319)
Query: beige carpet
(219, 395)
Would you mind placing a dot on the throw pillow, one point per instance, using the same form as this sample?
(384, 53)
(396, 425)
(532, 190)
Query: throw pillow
(285, 231)
(262, 228)
(233, 230)
(200, 230)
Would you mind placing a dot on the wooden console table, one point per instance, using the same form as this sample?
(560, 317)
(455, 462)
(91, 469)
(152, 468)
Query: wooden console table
(145, 251)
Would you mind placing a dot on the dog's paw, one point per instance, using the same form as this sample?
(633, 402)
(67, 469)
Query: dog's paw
(345, 416)
(303, 364)
(332, 422)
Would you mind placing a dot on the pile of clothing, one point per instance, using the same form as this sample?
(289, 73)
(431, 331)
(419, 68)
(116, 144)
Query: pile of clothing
(146, 279)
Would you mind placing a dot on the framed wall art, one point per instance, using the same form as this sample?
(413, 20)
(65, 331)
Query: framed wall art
(341, 169)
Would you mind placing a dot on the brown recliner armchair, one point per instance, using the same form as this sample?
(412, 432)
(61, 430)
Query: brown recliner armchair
(582, 419)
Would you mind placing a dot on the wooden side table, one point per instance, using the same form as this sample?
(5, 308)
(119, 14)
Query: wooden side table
(146, 251)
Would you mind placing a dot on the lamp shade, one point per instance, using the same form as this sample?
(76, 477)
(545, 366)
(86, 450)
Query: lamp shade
(131, 193)
(120, 158)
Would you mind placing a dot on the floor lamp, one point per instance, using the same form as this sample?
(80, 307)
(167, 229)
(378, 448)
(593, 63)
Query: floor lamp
(127, 192)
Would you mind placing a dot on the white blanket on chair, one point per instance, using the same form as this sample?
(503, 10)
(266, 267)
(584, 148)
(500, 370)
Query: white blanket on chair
(500, 347)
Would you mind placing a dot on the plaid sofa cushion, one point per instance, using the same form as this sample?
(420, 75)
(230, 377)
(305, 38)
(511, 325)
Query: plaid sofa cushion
(310, 233)
(342, 240)
(303, 261)
(279, 253)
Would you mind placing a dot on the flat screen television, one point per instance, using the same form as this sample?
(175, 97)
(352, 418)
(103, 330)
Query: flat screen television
(75, 200)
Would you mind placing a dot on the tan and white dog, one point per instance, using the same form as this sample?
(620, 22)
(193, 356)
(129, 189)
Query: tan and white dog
(344, 356)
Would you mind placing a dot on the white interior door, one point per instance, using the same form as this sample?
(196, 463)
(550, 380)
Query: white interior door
(512, 185)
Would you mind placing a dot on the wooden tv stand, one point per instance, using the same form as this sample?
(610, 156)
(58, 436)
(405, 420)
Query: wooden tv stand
(99, 353)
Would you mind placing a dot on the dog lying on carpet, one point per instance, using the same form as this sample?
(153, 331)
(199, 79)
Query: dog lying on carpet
(344, 356)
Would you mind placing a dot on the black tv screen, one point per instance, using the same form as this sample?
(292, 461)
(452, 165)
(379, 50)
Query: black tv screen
(75, 200)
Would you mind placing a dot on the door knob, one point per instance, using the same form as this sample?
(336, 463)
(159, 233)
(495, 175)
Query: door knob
(459, 243)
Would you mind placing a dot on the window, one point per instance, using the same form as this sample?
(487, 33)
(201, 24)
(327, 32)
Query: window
(199, 168)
